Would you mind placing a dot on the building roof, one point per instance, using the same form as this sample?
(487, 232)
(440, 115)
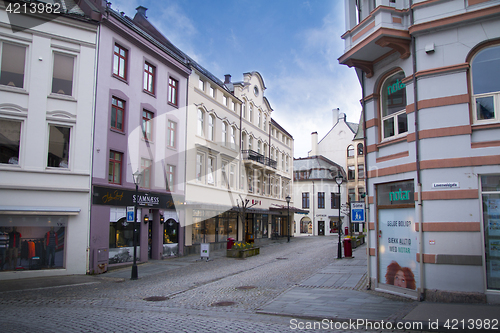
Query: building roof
(359, 133)
(278, 126)
(317, 167)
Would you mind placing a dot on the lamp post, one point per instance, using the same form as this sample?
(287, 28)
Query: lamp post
(339, 180)
(288, 220)
(137, 181)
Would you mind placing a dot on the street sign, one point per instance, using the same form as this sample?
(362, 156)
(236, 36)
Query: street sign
(358, 212)
(130, 213)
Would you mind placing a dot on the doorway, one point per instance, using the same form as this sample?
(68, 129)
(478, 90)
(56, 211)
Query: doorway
(321, 228)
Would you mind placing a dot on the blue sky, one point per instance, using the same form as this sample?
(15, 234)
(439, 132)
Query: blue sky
(293, 44)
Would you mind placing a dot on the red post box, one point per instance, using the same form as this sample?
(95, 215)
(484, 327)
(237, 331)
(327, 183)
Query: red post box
(346, 231)
(230, 243)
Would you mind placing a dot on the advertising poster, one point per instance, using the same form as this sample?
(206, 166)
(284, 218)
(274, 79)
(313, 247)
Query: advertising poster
(398, 247)
(494, 227)
(494, 247)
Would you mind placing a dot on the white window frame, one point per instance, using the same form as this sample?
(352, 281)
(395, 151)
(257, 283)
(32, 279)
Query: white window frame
(224, 133)
(25, 69)
(211, 127)
(200, 122)
(394, 115)
(233, 137)
(199, 167)
(211, 167)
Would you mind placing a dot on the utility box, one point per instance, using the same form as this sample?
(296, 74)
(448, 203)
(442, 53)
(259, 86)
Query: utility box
(101, 259)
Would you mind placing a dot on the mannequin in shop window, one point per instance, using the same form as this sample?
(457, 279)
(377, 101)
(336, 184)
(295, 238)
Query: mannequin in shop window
(14, 246)
(51, 243)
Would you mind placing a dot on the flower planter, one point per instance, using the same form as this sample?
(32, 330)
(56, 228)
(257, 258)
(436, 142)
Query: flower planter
(242, 253)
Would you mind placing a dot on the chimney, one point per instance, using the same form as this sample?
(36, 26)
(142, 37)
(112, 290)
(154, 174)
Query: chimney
(227, 78)
(142, 11)
(314, 143)
(335, 116)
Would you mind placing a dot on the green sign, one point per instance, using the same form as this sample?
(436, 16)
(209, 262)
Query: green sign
(396, 193)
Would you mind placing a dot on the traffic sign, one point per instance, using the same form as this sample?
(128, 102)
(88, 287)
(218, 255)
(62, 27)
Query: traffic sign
(130, 213)
(358, 212)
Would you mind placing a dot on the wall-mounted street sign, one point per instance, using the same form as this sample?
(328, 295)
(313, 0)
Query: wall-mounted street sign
(130, 213)
(357, 211)
(446, 185)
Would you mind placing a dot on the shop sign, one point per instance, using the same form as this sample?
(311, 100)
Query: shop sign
(117, 197)
(396, 193)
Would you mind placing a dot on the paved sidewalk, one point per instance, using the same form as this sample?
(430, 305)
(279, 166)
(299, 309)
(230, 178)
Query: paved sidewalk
(338, 292)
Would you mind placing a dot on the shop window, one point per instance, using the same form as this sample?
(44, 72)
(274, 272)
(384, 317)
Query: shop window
(149, 78)
(13, 65)
(485, 69)
(170, 177)
(146, 166)
(10, 130)
(335, 200)
(171, 134)
(115, 167)
(147, 124)
(58, 154)
(120, 55)
(393, 108)
(170, 238)
(305, 200)
(360, 149)
(201, 123)
(29, 247)
(321, 200)
(121, 236)
(62, 74)
(117, 113)
(173, 91)
(490, 188)
(350, 151)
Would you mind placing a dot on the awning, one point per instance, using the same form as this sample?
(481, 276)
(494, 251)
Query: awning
(292, 209)
(31, 210)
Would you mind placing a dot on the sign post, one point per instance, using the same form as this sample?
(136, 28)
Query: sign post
(357, 212)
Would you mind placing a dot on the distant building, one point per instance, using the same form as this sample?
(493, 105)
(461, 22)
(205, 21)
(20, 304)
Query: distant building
(430, 78)
(47, 75)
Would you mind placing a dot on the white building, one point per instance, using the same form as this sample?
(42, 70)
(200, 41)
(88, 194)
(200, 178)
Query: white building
(47, 73)
(429, 72)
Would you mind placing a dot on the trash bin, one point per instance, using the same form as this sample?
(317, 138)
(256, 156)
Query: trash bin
(347, 247)
(230, 243)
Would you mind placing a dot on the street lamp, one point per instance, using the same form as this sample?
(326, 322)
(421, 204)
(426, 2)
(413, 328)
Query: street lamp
(339, 180)
(288, 220)
(137, 181)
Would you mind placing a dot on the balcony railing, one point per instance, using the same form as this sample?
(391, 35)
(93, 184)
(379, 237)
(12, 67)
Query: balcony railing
(251, 155)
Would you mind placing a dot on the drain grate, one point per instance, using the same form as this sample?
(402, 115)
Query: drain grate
(246, 287)
(156, 298)
(224, 303)
(282, 258)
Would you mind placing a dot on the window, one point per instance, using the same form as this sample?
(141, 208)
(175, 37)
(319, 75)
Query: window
(232, 106)
(12, 65)
(171, 134)
(259, 145)
(210, 171)
(335, 204)
(250, 113)
(201, 123)
(305, 200)
(233, 137)
(10, 131)
(286, 164)
(120, 62)
(173, 88)
(58, 154)
(223, 171)
(232, 172)
(361, 192)
(146, 173)
(283, 161)
(62, 74)
(201, 85)
(250, 142)
(117, 113)
(147, 124)
(394, 121)
(486, 85)
(352, 194)
(490, 195)
(250, 180)
(351, 172)
(149, 78)
(321, 199)
(265, 123)
(244, 110)
(211, 133)
(259, 116)
(350, 151)
(212, 92)
(361, 171)
(199, 167)
(224, 100)
(360, 149)
(115, 167)
(170, 177)
(224, 133)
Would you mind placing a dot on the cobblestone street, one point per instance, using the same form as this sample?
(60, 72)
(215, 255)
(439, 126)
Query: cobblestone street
(198, 296)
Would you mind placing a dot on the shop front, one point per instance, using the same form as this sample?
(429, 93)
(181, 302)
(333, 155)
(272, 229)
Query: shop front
(398, 239)
(112, 233)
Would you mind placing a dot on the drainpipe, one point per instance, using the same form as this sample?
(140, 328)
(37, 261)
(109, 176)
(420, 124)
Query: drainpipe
(367, 207)
(417, 160)
(312, 204)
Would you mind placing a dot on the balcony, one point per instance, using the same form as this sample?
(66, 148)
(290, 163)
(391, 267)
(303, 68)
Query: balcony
(253, 156)
(380, 34)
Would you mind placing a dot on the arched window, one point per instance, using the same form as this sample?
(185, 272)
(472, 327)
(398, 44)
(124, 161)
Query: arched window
(211, 122)
(360, 149)
(485, 69)
(201, 123)
(224, 133)
(233, 137)
(393, 107)
(350, 151)
(243, 140)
